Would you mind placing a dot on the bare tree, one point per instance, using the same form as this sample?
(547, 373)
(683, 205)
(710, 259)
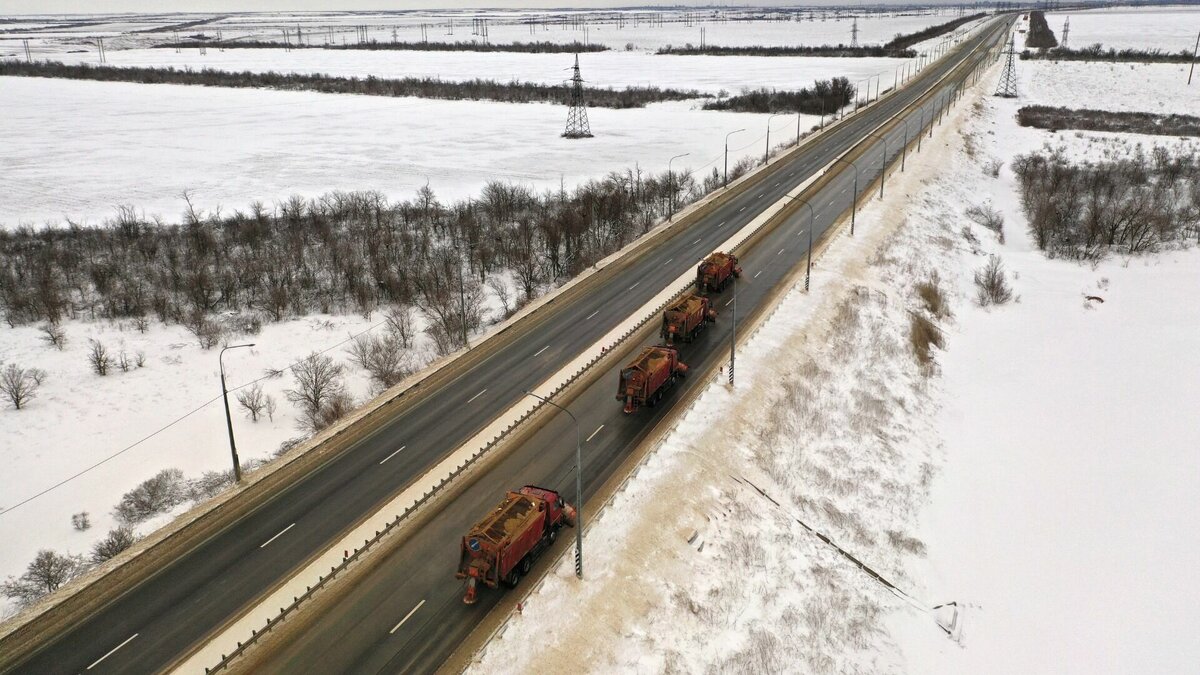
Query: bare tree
(98, 358)
(502, 292)
(123, 361)
(382, 357)
(45, 574)
(318, 385)
(54, 335)
(252, 400)
(399, 324)
(152, 496)
(81, 521)
(269, 407)
(20, 384)
(991, 284)
(208, 332)
(118, 540)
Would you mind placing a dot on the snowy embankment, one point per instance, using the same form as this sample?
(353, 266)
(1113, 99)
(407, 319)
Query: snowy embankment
(1039, 474)
(77, 150)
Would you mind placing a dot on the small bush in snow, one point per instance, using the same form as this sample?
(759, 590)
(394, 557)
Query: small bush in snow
(209, 485)
(253, 400)
(20, 385)
(991, 284)
(208, 332)
(81, 521)
(924, 335)
(142, 324)
(153, 496)
(123, 361)
(289, 445)
(320, 393)
(139, 359)
(932, 297)
(54, 335)
(987, 216)
(383, 357)
(98, 358)
(45, 574)
(117, 540)
(906, 543)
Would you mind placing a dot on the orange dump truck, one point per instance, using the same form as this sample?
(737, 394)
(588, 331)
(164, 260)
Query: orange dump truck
(714, 273)
(651, 374)
(501, 548)
(687, 317)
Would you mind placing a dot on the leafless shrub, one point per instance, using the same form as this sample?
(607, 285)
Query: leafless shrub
(141, 323)
(209, 484)
(383, 357)
(81, 521)
(987, 216)
(903, 542)
(54, 335)
(400, 325)
(20, 385)
(992, 168)
(991, 284)
(45, 574)
(319, 393)
(98, 358)
(117, 540)
(932, 297)
(923, 336)
(253, 400)
(123, 361)
(273, 373)
(139, 359)
(269, 407)
(502, 293)
(154, 495)
(207, 332)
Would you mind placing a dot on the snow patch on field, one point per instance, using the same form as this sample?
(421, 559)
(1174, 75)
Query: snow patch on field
(1166, 29)
(1132, 87)
(75, 149)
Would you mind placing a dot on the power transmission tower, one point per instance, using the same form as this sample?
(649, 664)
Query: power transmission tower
(854, 34)
(577, 121)
(1066, 31)
(1008, 79)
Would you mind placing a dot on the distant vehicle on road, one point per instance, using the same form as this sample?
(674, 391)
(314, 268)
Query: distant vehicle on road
(687, 317)
(715, 272)
(649, 376)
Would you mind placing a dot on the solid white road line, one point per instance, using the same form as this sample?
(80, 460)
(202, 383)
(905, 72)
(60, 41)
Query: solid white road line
(592, 314)
(476, 396)
(542, 350)
(263, 545)
(392, 455)
(111, 652)
(406, 617)
(594, 433)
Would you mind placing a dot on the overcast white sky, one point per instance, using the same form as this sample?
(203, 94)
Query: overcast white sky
(108, 6)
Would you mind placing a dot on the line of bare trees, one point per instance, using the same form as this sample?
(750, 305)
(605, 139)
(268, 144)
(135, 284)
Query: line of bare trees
(1096, 52)
(1040, 36)
(1133, 205)
(339, 253)
(824, 97)
(422, 87)
(1048, 117)
(906, 41)
(542, 47)
(837, 51)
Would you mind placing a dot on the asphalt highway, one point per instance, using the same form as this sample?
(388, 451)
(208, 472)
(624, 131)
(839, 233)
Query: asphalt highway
(152, 626)
(407, 615)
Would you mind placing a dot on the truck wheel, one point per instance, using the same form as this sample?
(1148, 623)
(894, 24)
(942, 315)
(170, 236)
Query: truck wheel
(526, 565)
(513, 577)
(553, 535)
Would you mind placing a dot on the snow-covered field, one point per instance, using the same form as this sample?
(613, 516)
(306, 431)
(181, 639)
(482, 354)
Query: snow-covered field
(77, 149)
(617, 69)
(1042, 475)
(1135, 87)
(1168, 29)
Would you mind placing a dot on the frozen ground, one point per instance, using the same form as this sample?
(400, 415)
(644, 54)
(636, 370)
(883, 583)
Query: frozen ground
(76, 149)
(1167, 29)
(1136, 87)
(615, 29)
(618, 69)
(1041, 475)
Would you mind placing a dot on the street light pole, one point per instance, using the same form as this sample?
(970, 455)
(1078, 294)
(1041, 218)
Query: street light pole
(854, 200)
(578, 486)
(671, 185)
(733, 333)
(811, 223)
(237, 466)
(726, 184)
(882, 164)
(767, 150)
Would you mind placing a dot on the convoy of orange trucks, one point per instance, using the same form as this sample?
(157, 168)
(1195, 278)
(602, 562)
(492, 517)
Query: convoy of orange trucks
(501, 548)
(687, 317)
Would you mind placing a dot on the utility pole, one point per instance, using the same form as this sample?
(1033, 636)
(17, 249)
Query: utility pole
(1066, 31)
(671, 185)
(237, 467)
(854, 197)
(28, 56)
(733, 334)
(854, 34)
(1192, 69)
(767, 150)
(882, 163)
(1008, 79)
